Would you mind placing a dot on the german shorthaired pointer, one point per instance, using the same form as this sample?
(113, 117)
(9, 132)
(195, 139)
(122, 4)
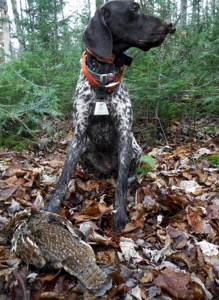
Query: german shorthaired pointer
(102, 108)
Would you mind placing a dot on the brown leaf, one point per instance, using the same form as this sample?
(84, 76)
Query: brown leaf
(148, 277)
(8, 192)
(99, 239)
(198, 224)
(179, 238)
(49, 276)
(81, 186)
(213, 212)
(14, 180)
(93, 212)
(54, 163)
(50, 295)
(134, 225)
(182, 256)
(24, 202)
(120, 284)
(107, 257)
(173, 202)
(176, 284)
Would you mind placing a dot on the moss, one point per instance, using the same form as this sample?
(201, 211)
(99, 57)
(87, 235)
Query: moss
(212, 158)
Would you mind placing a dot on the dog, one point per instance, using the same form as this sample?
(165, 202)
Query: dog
(102, 111)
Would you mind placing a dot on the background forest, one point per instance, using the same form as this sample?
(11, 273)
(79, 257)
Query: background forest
(170, 247)
(177, 83)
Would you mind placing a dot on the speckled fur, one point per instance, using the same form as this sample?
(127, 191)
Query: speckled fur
(107, 141)
(103, 134)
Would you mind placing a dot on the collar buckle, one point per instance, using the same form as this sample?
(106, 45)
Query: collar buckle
(105, 78)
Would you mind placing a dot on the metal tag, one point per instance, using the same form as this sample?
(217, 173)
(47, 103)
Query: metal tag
(101, 109)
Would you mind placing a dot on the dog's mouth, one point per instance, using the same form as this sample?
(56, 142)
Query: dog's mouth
(156, 39)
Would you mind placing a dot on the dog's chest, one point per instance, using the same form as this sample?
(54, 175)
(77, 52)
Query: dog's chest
(102, 118)
(102, 132)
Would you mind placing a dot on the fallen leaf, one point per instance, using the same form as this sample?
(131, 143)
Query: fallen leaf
(102, 240)
(128, 248)
(148, 277)
(198, 224)
(213, 212)
(200, 152)
(136, 292)
(177, 284)
(107, 257)
(93, 212)
(48, 276)
(208, 249)
(191, 186)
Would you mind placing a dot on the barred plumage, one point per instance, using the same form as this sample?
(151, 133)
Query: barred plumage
(42, 238)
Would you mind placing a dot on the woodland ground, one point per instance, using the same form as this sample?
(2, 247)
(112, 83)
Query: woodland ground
(170, 247)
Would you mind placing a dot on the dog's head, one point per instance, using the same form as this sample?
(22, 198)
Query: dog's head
(119, 25)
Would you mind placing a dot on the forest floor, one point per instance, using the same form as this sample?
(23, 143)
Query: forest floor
(170, 247)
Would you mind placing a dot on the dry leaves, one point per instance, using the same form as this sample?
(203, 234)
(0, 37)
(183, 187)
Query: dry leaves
(168, 250)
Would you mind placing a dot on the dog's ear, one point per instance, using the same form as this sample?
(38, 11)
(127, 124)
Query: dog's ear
(97, 36)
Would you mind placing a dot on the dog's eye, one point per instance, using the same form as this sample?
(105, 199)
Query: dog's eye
(136, 9)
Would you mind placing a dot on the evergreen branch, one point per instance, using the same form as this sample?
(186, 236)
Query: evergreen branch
(14, 117)
(25, 79)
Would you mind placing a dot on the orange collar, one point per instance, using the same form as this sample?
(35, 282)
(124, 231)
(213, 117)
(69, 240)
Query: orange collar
(109, 60)
(109, 87)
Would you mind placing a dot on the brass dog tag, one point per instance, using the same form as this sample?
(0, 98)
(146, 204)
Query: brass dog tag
(101, 109)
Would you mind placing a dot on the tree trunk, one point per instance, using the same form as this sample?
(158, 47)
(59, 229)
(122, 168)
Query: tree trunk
(196, 9)
(183, 12)
(55, 25)
(4, 30)
(19, 29)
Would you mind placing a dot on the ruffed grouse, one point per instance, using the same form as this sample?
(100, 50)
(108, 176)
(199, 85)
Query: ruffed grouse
(43, 238)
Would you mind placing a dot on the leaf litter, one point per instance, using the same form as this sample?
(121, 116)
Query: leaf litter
(168, 250)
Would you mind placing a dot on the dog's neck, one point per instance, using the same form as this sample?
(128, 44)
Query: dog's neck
(101, 67)
(113, 64)
(104, 74)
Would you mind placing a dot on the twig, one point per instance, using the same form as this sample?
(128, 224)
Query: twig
(158, 101)
(158, 119)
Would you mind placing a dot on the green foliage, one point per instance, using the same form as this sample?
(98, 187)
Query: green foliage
(13, 142)
(178, 80)
(39, 84)
(178, 75)
(22, 103)
(147, 163)
(32, 88)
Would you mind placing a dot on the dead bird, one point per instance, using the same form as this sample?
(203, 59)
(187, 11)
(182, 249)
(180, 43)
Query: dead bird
(43, 238)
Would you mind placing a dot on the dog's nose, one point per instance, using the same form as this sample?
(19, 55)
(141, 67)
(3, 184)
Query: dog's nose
(168, 23)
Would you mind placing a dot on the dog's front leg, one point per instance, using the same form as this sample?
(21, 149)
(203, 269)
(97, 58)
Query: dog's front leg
(75, 150)
(124, 160)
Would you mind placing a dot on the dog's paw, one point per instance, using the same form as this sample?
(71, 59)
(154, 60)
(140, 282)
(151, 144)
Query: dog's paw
(120, 220)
